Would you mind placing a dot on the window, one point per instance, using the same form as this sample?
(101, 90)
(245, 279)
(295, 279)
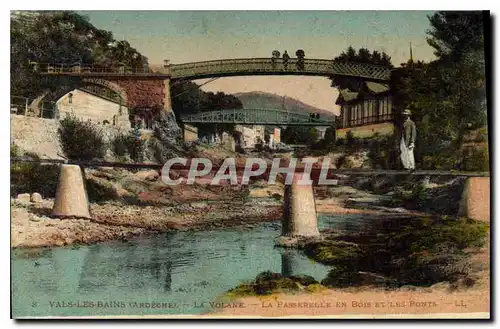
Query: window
(70, 98)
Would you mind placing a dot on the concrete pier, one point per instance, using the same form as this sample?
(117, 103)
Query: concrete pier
(167, 101)
(299, 213)
(190, 133)
(475, 202)
(71, 198)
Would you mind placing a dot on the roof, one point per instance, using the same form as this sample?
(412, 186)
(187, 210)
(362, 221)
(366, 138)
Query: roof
(346, 95)
(376, 87)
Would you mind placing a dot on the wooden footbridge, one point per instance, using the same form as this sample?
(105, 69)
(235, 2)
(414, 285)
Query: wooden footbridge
(300, 218)
(298, 169)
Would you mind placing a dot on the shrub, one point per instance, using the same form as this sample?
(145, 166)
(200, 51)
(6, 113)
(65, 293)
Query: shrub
(276, 196)
(15, 151)
(99, 191)
(380, 152)
(29, 177)
(135, 145)
(268, 282)
(476, 159)
(239, 149)
(81, 140)
(119, 145)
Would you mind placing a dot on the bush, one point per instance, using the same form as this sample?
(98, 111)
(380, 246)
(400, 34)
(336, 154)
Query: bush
(239, 149)
(119, 145)
(476, 159)
(268, 282)
(381, 152)
(81, 140)
(99, 191)
(133, 145)
(15, 151)
(276, 196)
(29, 177)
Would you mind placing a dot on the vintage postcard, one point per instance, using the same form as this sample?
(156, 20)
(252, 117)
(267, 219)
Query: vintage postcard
(250, 164)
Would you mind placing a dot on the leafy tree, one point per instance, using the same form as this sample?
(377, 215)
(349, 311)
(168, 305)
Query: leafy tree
(456, 33)
(363, 55)
(60, 37)
(188, 98)
(330, 136)
(447, 96)
(300, 135)
(81, 140)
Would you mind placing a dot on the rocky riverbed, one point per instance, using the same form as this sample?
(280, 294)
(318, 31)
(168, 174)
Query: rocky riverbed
(32, 225)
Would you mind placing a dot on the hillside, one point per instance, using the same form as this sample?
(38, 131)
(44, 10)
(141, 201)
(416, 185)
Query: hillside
(259, 99)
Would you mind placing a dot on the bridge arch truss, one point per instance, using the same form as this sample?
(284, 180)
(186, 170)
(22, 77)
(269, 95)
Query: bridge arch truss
(257, 117)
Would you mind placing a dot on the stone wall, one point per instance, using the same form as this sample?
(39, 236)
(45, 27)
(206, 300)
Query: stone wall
(190, 133)
(39, 135)
(144, 93)
(36, 135)
(86, 106)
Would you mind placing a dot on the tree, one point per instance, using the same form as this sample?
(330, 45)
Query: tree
(330, 136)
(447, 96)
(60, 37)
(455, 33)
(300, 135)
(364, 56)
(188, 98)
(458, 40)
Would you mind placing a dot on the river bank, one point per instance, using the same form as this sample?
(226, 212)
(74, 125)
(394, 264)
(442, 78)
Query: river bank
(159, 210)
(464, 298)
(32, 226)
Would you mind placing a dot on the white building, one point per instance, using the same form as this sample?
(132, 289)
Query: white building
(251, 135)
(89, 107)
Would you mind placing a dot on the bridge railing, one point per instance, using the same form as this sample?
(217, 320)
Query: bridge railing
(82, 69)
(20, 105)
(254, 65)
(255, 116)
(320, 67)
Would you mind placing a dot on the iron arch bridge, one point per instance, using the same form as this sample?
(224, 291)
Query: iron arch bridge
(257, 117)
(226, 68)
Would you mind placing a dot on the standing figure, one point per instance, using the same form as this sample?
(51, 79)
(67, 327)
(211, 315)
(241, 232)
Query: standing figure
(286, 57)
(300, 59)
(408, 141)
(276, 55)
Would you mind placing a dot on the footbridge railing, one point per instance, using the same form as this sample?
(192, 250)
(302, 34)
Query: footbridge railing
(258, 117)
(225, 67)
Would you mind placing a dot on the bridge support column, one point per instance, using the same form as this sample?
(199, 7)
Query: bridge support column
(299, 213)
(475, 202)
(71, 198)
(190, 133)
(167, 100)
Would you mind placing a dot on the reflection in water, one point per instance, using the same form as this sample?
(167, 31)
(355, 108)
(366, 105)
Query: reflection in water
(177, 267)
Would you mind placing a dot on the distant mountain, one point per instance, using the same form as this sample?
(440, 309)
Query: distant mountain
(259, 99)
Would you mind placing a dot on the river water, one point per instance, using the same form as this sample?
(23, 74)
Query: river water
(171, 273)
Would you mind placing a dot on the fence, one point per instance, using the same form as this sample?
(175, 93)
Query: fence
(22, 106)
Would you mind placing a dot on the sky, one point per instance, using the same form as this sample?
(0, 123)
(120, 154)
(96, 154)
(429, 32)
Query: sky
(190, 36)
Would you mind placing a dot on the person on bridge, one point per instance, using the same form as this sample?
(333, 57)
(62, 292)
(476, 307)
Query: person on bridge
(407, 143)
(276, 55)
(286, 57)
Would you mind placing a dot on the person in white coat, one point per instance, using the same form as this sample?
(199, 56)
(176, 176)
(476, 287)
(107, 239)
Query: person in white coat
(407, 143)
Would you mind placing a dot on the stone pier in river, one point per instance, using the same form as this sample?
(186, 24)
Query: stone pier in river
(475, 202)
(299, 213)
(71, 197)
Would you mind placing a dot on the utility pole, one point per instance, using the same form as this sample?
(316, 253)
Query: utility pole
(411, 56)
